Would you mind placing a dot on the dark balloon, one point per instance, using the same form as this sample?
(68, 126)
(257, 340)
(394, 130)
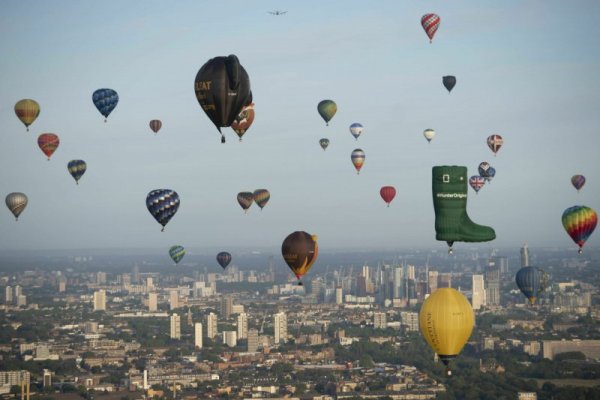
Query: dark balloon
(245, 199)
(77, 168)
(162, 204)
(449, 82)
(223, 258)
(324, 143)
(155, 125)
(300, 251)
(578, 181)
(222, 88)
(528, 280)
(105, 101)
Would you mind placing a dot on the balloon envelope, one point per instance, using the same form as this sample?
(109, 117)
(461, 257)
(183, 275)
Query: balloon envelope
(528, 280)
(483, 169)
(578, 181)
(327, 109)
(446, 322)
(223, 258)
(476, 182)
(300, 251)
(105, 101)
(155, 125)
(449, 82)
(48, 143)
(77, 168)
(490, 174)
(324, 143)
(243, 121)
(579, 222)
(358, 159)
(429, 134)
(494, 142)
(356, 129)
(245, 200)
(177, 253)
(162, 205)
(222, 89)
(27, 111)
(16, 203)
(387, 193)
(430, 23)
(261, 197)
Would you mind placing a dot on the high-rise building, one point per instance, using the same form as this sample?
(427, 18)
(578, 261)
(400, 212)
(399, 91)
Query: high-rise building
(445, 280)
(318, 288)
(432, 281)
(524, 256)
(47, 378)
(410, 320)
(366, 272)
(211, 325)
(397, 280)
(62, 285)
(410, 272)
(8, 295)
(198, 335)
(478, 298)
(252, 340)
(226, 306)
(242, 326)
(21, 300)
(101, 278)
(126, 280)
(280, 325)
(149, 283)
(492, 284)
(173, 299)
(152, 301)
(379, 320)
(100, 300)
(135, 274)
(339, 295)
(14, 378)
(230, 338)
(18, 291)
(175, 327)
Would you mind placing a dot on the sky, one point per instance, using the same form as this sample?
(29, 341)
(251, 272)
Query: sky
(525, 70)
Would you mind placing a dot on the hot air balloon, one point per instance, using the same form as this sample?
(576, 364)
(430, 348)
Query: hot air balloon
(387, 193)
(222, 89)
(452, 223)
(300, 251)
(77, 169)
(243, 121)
(162, 204)
(176, 253)
(105, 101)
(578, 181)
(494, 142)
(449, 82)
(327, 109)
(528, 280)
(430, 23)
(27, 111)
(155, 125)
(483, 169)
(324, 143)
(245, 199)
(476, 182)
(429, 134)
(356, 129)
(490, 174)
(446, 322)
(261, 197)
(579, 222)
(358, 159)
(223, 258)
(16, 203)
(48, 143)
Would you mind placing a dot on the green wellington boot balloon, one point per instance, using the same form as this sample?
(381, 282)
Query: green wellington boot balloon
(452, 224)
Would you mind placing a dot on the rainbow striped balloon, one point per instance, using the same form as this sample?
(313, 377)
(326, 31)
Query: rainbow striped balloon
(579, 222)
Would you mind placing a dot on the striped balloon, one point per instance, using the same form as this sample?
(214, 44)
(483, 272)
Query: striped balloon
(105, 101)
(245, 199)
(16, 203)
(162, 204)
(48, 143)
(387, 193)
(155, 125)
(494, 142)
(431, 23)
(77, 168)
(578, 181)
(358, 159)
(261, 197)
(27, 111)
(476, 182)
(579, 222)
(176, 253)
(356, 129)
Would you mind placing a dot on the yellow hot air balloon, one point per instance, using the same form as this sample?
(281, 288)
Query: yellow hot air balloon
(446, 321)
(27, 111)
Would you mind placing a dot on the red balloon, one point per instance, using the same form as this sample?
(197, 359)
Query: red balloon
(48, 143)
(430, 23)
(387, 194)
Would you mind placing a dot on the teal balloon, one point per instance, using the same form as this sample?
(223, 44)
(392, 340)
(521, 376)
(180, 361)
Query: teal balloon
(177, 253)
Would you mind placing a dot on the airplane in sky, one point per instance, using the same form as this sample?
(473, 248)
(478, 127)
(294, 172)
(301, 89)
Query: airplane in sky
(277, 12)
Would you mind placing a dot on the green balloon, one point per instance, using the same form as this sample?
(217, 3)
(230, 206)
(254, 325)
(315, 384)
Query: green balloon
(327, 109)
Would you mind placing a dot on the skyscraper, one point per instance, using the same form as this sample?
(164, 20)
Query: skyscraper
(478, 298)
(100, 300)
(525, 256)
(174, 299)
(230, 338)
(242, 326)
(339, 295)
(492, 284)
(252, 340)
(175, 327)
(152, 302)
(8, 295)
(226, 306)
(398, 287)
(198, 335)
(62, 285)
(379, 320)
(432, 281)
(280, 325)
(135, 274)
(101, 278)
(211, 325)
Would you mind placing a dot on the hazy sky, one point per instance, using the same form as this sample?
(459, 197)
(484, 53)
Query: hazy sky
(528, 71)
